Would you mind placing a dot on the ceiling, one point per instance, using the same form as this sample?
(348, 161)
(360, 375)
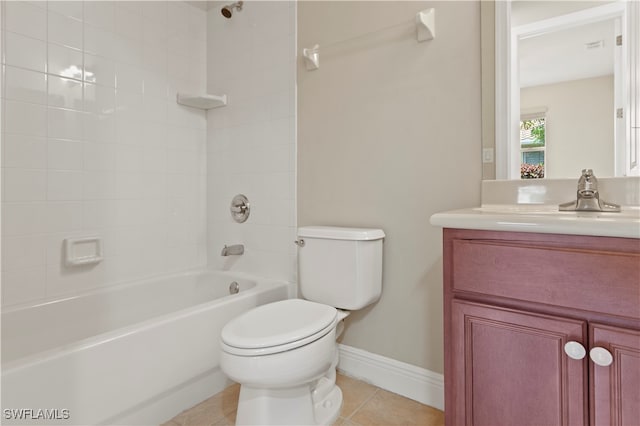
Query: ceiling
(562, 55)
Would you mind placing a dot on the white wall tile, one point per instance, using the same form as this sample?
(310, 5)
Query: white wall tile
(26, 251)
(154, 31)
(64, 185)
(25, 85)
(99, 127)
(155, 134)
(127, 50)
(129, 158)
(128, 21)
(98, 214)
(100, 14)
(64, 124)
(65, 62)
(26, 19)
(87, 146)
(65, 30)
(98, 185)
(25, 52)
(99, 41)
(129, 185)
(23, 285)
(64, 155)
(63, 217)
(129, 132)
(155, 84)
(65, 92)
(129, 78)
(155, 11)
(99, 99)
(154, 109)
(99, 70)
(257, 131)
(63, 281)
(99, 156)
(25, 118)
(24, 219)
(128, 105)
(28, 152)
(72, 9)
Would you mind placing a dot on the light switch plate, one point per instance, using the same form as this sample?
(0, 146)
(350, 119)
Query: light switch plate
(487, 155)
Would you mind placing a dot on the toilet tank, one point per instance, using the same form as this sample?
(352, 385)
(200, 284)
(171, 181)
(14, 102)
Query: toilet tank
(340, 267)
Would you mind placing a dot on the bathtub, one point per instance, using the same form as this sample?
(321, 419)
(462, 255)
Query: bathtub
(133, 354)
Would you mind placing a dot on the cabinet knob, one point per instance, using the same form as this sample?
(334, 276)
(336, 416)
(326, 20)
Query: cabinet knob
(575, 350)
(601, 356)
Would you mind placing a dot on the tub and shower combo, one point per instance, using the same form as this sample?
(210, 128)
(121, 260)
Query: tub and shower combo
(119, 356)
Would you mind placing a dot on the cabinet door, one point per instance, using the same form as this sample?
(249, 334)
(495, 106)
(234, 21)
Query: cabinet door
(509, 368)
(615, 391)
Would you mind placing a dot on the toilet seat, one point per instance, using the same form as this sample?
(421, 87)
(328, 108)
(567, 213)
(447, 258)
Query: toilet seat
(278, 327)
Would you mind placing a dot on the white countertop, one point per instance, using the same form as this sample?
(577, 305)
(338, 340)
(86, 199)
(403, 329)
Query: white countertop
(543, 219)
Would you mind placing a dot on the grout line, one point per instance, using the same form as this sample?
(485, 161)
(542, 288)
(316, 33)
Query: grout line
(362, 404)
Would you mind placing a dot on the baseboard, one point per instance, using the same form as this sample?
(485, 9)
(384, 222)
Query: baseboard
(398, 377)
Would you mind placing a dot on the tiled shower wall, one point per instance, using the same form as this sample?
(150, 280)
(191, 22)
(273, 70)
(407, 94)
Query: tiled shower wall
(95, 144)
(251, 142)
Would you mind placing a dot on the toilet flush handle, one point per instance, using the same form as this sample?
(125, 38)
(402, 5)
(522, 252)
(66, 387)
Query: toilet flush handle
(299, 243)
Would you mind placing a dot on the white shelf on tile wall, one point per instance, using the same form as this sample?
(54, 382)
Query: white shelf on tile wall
(203, 101)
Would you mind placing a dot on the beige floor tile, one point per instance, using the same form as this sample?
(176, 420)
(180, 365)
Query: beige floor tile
(229, 419)
(344, 422)
(354, 394)
(363, 405)
(386, 408)
(213, 410)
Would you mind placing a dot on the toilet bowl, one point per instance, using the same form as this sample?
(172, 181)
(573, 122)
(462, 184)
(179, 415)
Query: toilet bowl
(284, 354)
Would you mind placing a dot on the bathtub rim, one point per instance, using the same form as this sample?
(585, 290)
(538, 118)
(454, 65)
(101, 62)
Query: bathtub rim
(33, 359)
(129, 283)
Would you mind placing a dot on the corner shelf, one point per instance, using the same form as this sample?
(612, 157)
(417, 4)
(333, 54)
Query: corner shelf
(203, 101)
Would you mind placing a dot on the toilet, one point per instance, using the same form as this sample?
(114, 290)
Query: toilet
(284, 354)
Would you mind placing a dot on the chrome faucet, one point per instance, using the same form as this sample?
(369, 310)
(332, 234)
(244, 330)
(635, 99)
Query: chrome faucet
(234, 250)
(587, 197)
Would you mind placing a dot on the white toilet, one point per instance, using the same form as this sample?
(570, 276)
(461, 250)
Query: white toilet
(284, 354)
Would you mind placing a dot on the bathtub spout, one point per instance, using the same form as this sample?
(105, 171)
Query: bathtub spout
(234, 250)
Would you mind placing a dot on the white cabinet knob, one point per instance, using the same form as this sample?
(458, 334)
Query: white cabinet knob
(575, 350)
(601, 356)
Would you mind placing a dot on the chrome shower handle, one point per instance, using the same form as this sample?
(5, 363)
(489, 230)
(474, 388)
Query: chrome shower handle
(240, 208)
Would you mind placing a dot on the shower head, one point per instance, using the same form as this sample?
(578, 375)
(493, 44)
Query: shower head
(227, 11)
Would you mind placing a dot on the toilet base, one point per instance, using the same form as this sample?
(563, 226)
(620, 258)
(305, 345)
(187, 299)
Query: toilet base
(289, 406)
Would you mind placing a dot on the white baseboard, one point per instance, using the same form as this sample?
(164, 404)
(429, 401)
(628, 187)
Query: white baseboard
(398, 377)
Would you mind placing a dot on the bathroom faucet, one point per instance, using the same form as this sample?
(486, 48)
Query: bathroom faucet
(587, 197)
(234, 250)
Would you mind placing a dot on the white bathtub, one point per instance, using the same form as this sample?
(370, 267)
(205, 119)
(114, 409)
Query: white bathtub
(134, 354)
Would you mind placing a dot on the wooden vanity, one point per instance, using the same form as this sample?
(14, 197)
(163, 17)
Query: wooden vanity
(513, 300)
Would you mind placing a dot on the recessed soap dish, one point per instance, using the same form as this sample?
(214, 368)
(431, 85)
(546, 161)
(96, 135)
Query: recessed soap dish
(83, 251)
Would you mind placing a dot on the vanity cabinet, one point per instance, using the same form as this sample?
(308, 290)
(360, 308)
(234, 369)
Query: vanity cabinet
(512, 303)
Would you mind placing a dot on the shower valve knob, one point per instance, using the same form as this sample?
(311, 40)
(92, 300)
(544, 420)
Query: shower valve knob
(240, 208)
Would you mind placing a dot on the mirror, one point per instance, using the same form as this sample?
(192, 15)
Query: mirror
(559, 91)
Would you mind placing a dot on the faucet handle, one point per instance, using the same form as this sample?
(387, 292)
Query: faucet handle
(588, 183)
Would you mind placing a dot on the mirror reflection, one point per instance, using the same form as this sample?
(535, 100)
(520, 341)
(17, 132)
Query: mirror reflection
(566, 66)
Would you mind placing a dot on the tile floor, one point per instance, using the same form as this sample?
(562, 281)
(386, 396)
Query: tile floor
(363, 405)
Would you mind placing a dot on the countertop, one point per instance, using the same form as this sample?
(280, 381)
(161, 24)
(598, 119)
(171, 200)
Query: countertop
(542, 219)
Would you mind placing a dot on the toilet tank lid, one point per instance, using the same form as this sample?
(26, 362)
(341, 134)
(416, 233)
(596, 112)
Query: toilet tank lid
(340, 233)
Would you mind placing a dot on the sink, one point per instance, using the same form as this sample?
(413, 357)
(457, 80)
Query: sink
(543, 218)
(544, 209)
